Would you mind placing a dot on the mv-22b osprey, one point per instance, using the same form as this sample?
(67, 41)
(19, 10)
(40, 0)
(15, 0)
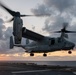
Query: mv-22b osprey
(41, 44)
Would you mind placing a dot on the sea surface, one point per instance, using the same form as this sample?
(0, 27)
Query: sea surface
(50, 63)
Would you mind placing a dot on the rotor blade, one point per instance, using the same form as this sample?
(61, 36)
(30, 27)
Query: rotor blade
(56, 32)
(26, 15)
(66, 31)
(10, 20)
(70, 31)
(7, 9)
(31, 15)
(43, 15)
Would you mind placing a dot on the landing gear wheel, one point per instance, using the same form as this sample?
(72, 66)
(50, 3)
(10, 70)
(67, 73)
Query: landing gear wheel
(44, 55)
(70, 52)
(31, 54)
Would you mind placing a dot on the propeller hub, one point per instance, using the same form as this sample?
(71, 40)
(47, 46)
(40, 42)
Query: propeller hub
(62, 30)
(17, 14)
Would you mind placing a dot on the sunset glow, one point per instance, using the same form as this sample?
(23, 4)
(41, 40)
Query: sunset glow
(26, 56)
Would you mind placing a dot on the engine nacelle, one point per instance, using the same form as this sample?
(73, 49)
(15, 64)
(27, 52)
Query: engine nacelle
(17, 30)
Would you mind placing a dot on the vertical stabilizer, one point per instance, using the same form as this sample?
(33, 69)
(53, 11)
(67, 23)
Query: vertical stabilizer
(11, 42)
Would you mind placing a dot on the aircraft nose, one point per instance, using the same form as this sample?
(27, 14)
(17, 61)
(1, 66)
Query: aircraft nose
(73, 45)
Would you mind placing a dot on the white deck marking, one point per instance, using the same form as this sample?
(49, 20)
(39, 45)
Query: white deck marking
(30, 71)
(74, 72)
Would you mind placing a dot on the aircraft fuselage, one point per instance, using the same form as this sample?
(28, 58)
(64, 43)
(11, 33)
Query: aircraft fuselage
(50, 47)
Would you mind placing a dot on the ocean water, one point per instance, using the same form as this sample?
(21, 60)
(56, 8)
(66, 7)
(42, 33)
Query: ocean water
(50, 63)
(55, 63)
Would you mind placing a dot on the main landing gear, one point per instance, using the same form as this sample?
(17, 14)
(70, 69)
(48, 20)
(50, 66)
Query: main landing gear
(69, 52)
(31, 54)
(44, 55)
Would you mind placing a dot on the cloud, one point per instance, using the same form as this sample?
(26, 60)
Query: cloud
(41, 10)
(55, 25)
(8, 33)
(50, 7)
(4, 40)
(61, 11)
(5, 34)
(2, 27)
(60, 5)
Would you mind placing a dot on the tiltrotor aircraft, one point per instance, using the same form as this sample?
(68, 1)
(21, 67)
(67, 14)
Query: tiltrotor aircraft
(40, 44)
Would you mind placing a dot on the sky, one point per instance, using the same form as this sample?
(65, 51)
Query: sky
(59, 11)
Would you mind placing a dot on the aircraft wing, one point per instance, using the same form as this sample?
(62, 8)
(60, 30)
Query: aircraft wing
(32, 35)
